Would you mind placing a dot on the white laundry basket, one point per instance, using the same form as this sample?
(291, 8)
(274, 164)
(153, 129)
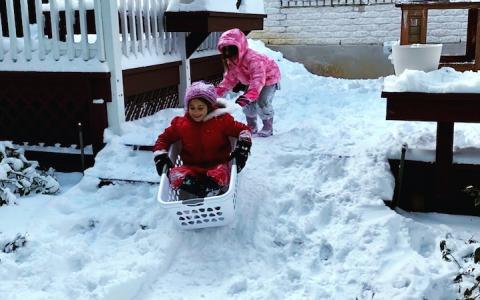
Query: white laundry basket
(193, 213)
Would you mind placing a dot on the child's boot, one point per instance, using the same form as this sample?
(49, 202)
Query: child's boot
(252, 124)
(192, 185)
(212, 188)
(267, 129)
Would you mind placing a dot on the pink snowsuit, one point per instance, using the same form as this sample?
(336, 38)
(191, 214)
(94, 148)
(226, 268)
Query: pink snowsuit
(251, 68)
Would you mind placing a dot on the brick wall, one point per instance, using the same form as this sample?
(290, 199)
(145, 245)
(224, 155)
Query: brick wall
(352, 25)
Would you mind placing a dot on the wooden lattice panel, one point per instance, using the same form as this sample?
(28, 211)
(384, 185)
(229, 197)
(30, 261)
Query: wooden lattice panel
(214, 79)
(148, 103)
(47, 109)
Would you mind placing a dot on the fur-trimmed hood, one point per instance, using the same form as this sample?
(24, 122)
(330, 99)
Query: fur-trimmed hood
(223, 107)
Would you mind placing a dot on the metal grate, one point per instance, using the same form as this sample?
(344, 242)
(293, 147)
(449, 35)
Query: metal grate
(323, 3)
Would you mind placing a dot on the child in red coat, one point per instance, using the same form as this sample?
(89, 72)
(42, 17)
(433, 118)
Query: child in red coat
(204, 132)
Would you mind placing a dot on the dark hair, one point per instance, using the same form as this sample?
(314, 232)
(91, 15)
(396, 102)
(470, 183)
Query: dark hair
(210, 106)
(228, 52)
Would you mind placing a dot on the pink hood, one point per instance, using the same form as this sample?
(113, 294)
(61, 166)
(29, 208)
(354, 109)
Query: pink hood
(251, 68)
(233, 37)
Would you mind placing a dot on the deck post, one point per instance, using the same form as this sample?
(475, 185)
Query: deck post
(113, 55)
(185, 79)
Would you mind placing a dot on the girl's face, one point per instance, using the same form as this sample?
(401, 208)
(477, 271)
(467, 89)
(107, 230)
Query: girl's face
(230, 52)
(197, 109)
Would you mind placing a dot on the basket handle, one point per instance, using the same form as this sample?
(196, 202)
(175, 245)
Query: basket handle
(165, 169)
(193, 202)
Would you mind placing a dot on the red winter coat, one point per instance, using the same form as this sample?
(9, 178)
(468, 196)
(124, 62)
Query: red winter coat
(204, 144)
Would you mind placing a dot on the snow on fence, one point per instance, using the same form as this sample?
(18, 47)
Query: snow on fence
(74, 30)
(141, 26)
(44, 39)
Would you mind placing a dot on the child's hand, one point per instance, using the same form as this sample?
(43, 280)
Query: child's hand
(241, 153)
(242, 101)
(161, 161)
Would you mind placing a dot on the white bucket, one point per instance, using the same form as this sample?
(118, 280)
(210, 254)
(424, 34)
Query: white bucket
(423, 57)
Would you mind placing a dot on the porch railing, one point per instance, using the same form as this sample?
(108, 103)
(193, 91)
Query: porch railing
(50, 33)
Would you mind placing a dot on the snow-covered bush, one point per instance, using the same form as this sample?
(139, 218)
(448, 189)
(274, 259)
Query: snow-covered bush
(474, 193)
(466, 255)
(18, 242)
(19, 176)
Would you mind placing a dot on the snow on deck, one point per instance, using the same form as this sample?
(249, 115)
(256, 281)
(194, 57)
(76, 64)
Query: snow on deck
(247, 6)
(444, 80)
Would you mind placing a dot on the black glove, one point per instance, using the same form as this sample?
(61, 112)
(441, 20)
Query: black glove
(241, 152)
(242, 101)
(160, 162)
(240, 88)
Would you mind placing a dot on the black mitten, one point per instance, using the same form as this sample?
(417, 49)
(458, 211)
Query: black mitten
(161, 161)
(240, 88)
(241, 152)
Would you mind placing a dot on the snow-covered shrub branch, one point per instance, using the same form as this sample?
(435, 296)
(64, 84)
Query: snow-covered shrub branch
(474, 193)
(466, 256)
(18, 242)
(19, 176)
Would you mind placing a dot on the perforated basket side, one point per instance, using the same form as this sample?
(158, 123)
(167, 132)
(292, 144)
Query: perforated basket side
(198, 212)
(208, 214)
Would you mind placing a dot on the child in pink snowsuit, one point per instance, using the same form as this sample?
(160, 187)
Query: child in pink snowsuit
(259, 72)
(204, 132)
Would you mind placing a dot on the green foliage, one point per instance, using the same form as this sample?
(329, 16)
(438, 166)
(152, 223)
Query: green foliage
(19, 176)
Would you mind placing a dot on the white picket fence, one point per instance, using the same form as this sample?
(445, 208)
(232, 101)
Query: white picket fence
(141, 33)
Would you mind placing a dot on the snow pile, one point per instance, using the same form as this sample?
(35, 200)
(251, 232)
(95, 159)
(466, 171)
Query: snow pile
(444, 80)
(310, 224)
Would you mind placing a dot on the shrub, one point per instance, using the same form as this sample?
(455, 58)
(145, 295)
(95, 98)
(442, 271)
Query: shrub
(465, 256)
(19, 176)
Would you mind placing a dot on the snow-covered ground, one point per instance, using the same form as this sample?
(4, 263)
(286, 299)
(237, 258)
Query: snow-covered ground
(310, 224)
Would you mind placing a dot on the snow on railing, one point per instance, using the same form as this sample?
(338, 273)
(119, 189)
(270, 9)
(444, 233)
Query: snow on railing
(40, 36)
(74, 30)
(141, 27)
(53, 36)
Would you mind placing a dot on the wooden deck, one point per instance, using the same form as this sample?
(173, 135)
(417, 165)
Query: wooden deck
(100, 66)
